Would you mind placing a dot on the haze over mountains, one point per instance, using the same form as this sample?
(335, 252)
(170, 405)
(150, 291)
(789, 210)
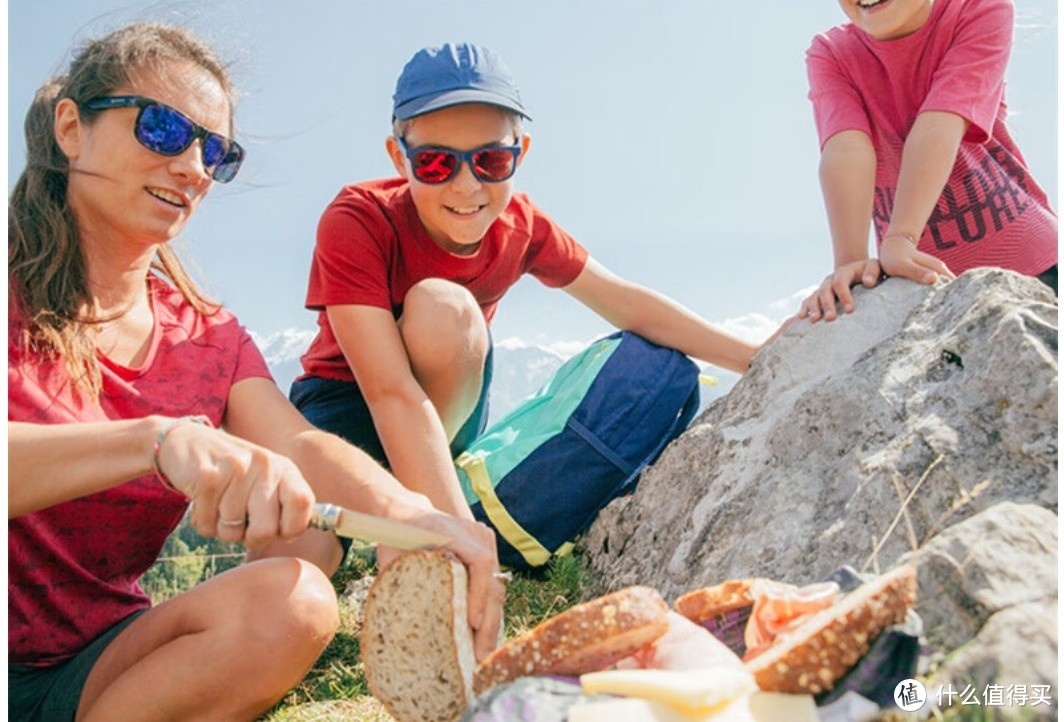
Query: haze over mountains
(522, 368)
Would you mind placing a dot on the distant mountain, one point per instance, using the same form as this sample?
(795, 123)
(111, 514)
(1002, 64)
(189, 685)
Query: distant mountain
(520, 370)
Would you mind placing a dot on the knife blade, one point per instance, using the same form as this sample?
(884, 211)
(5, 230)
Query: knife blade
(356, 525)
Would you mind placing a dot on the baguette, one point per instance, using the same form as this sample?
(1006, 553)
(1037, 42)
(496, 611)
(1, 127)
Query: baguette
(812, 657)
(416, 644)
(587, 638)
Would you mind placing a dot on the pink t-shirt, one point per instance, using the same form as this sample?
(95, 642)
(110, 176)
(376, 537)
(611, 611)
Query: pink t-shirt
(73, 567)
(372, 247)
(991, 212)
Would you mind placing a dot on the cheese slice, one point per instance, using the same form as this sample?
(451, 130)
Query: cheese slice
(775, 707)
(635, 710)
(696, 690)
(757, 707)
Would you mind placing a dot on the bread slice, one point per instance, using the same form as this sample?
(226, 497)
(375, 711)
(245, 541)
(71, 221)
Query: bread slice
(416, 644)
(812, 657)
(587, 638)
(708, 602)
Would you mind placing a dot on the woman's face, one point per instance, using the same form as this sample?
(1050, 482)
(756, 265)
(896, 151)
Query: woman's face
(123, 193)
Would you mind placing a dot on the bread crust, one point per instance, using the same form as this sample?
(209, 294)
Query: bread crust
(586, 638)
(416, 644)
(708, 602)
(811, 658)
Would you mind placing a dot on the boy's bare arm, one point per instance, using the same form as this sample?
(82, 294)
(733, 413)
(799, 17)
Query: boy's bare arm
(657, 318)
(928, 158)
(407, 423)
(848, 183)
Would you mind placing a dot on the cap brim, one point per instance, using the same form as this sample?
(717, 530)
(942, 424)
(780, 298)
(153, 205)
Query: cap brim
(427, 104)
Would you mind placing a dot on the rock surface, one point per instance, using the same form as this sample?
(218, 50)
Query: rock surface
(864, 440)
(1004, 557)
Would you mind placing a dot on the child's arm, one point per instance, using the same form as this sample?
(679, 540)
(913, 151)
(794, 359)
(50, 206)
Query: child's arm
(341, 474)
(407, 423)
(847, 181)
(927, 159)
(657, 318)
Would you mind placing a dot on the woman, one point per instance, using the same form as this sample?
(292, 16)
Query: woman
(121, 377)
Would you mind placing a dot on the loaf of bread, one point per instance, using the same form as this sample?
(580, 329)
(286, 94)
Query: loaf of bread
(810, 658)
(416, 644)
(708, 602)
(587, 638)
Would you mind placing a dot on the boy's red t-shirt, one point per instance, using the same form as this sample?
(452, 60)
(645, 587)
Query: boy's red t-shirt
(991, 212)
(73, 567)
(372, 248)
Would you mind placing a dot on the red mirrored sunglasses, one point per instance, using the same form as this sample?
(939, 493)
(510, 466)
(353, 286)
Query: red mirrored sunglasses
(489, 163)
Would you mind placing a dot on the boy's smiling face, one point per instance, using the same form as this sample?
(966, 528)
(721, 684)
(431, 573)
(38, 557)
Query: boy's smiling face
(887, 19)
(457, 213)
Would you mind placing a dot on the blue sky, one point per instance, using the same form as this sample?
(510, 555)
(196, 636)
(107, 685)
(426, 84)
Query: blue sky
(673, 139)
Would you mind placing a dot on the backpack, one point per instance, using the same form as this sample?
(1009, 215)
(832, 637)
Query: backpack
(540, 475)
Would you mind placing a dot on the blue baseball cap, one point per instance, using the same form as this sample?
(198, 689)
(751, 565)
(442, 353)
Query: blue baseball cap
(454, 74)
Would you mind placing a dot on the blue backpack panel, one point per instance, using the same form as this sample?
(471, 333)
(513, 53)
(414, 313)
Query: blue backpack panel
(541, 474)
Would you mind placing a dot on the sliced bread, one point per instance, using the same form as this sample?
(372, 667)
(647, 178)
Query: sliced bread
(810, 658)
(416, 644)
(587, 638)
(708, 602)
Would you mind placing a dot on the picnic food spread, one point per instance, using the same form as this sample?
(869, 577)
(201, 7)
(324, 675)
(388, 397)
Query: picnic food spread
(417, 647)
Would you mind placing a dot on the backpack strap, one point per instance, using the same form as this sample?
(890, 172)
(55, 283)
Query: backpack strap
(529, 547)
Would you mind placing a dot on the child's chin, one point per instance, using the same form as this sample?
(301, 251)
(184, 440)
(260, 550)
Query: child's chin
(467, 236)
(462, 243)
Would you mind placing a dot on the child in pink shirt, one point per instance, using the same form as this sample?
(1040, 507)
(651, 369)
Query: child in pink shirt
(909, 104)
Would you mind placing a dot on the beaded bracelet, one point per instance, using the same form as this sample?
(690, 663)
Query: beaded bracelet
(157, 445)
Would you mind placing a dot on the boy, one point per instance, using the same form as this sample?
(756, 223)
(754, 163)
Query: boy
(407, 273)
(909, 105)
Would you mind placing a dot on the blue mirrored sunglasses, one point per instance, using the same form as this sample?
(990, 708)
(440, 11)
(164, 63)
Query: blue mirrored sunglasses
(166, 131)
(490, 163)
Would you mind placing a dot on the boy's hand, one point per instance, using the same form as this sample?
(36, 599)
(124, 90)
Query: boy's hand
(821, 303)
(898, 257)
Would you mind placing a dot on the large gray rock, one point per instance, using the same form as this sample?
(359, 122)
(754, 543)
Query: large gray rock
(852, 442)
(1016, 653)
(1004, 557)
(922, 428)
(988, 589)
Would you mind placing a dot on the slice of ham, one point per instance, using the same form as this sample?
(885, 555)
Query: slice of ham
(780, 607)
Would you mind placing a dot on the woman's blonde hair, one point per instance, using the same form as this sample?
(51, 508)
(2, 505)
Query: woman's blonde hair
(46, 270)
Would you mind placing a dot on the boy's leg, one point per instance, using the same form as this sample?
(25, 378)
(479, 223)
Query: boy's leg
(227, 649)
(339, 408)
(447, 342)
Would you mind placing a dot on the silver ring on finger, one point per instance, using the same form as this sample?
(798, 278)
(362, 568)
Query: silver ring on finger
(232, 522)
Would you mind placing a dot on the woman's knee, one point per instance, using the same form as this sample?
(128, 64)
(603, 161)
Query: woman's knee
(295, 606)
